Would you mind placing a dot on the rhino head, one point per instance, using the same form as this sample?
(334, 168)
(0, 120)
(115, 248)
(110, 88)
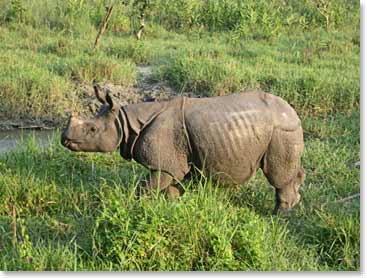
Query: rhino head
(102, 133)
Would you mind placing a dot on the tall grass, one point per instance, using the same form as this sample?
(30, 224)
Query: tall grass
(29, 90)
(256, 19)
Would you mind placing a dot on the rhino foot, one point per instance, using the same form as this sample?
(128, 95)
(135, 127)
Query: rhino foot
(281, 211)
(172, 193)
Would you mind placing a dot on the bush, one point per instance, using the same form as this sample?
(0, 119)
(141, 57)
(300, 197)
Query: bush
(27, 90)
(86, 68)
(102, 68)
(206, 76)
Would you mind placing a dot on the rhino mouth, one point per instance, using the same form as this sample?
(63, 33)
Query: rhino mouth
(71, 144)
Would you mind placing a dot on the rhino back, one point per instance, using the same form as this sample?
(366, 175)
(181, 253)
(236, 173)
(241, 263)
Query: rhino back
(283, 115)
(229, 135)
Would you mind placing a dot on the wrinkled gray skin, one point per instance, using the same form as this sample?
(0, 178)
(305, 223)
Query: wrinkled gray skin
(229, 137)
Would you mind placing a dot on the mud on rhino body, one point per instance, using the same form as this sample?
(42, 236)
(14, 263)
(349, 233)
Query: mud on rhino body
(229, 137)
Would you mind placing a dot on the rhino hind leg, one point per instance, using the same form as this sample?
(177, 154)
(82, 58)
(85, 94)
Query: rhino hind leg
(281, 165)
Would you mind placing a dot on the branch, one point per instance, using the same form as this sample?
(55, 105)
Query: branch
(141, 28)
(347, 198)
(103, 26)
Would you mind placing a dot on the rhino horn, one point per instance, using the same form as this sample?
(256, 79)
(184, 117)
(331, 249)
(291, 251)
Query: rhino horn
(74, 120)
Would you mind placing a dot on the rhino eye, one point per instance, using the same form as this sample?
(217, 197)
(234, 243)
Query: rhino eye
(93, 129)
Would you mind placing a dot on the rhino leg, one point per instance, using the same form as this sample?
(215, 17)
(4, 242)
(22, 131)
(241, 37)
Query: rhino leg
(282, 167)
(162, 181)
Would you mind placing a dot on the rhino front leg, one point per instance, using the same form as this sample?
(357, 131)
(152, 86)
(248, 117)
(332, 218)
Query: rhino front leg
(162, 181)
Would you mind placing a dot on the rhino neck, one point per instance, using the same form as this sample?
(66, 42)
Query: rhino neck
(135, 118)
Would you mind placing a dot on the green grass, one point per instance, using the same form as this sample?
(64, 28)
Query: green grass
(316, 81)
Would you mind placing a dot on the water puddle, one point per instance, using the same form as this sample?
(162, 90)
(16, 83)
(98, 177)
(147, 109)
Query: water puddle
(10, 140)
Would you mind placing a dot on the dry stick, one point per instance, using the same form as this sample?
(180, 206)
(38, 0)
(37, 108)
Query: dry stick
(103, 26)
(347, 198)
(14, 225)
(141, 28)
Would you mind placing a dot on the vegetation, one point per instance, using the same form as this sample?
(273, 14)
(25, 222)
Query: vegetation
(65, 211)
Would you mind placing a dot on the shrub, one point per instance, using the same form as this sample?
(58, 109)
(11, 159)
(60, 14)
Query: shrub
(86, 68)
(27, 90)
(206, 76)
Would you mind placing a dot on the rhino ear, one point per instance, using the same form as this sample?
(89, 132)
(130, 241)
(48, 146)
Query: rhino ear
(110, 101)
(100, 96)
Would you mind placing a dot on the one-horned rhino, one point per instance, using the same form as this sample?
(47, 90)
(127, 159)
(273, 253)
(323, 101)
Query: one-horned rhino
(228, 137)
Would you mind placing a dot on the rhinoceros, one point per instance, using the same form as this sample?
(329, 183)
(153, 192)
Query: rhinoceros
(228, 137)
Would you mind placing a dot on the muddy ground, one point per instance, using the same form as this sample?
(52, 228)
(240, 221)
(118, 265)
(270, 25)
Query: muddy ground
(146, 89)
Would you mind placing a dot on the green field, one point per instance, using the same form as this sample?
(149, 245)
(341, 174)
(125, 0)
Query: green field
(77, 211)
